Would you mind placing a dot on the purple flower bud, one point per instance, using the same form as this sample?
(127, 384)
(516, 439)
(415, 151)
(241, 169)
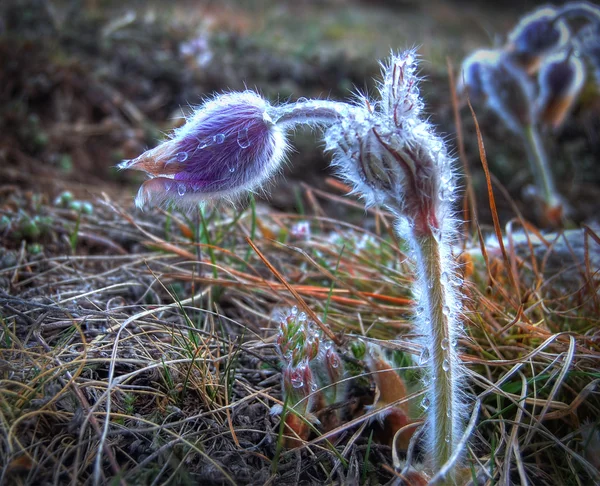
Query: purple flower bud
(229, 146)
(535, 35)
(589, 46)
(510, 93)
(561, 79)
(470, 79)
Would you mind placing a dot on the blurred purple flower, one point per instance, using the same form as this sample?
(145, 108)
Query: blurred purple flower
(228, 147)
(535, 35)
(561, 79)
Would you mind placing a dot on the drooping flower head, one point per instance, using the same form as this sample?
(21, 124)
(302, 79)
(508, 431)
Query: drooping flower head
(470, 79)
(560, 80)
(228, 147)
(535, 35)
(509, 93)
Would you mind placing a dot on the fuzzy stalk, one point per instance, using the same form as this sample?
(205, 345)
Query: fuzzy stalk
(437, 324)
(539, 164)
(309, 112)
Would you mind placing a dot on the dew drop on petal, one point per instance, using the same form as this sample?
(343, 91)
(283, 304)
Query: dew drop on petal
(219, 138)
(446, 310)
(181, 189)
(181, 156)
(446, 365)
(232, 169)
(424, 358)
(447, 438)
(242, 138)
(294, 311)
(425, 403)
(444, 278)
(314, 387)
(445, 343)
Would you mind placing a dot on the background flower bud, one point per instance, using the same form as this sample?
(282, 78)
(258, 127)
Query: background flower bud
(470, 79)
(510, 93)
(589, 46)
(229, 146)
(535, 35)
(561, 79)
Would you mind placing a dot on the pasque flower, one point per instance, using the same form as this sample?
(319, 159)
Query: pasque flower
(391, 156)
(561, 79)
(535, 35)
(228, 147)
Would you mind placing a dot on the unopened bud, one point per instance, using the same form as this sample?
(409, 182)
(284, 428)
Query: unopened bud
(561, 79)
(391, 156)
(510, 93)
(470, 80)
(229, 146)
(535, 35)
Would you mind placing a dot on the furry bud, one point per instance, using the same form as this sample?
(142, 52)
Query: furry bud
(391, 156)
(535, 35)
(228, 147)
(561, 79)
(509, 93)
(470, 79)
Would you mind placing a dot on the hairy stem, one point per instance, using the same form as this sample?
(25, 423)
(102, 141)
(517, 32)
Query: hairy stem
(309, 112)
(438, 322)
(539, 162)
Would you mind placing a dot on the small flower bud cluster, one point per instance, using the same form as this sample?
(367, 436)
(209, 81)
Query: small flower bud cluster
(312, 374)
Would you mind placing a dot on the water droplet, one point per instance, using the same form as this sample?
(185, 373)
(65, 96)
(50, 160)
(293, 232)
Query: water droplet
(447, 438)
(232, 169)
(314, 387)
(219, 138)
(242, 139)
(297, 382)
(445, 365)
(181, 156)
(429, 284)
(448, 412)
(302, 317)
(457, 281)
(425, 403)
(181, 189)
(424, 358)
(446, 310)
(445, 344)
(444, 278)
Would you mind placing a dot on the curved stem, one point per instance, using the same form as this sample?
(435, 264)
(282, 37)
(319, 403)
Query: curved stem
(541, 168)
(439, 326)
(309, 112)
